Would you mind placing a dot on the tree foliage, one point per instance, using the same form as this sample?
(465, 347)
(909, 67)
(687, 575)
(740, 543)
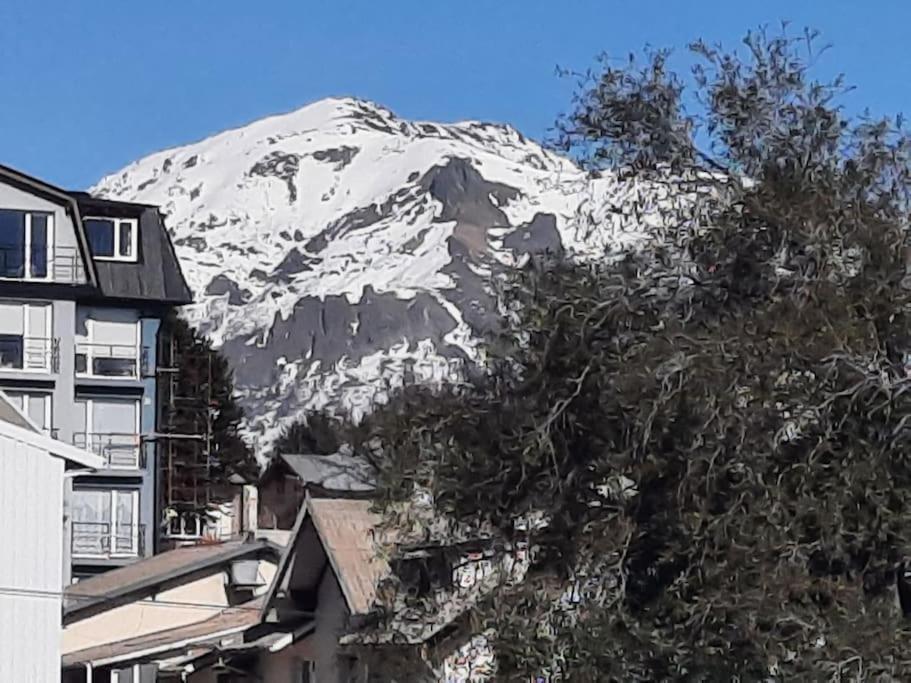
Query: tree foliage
(317, 433)
(201, 403)
(713, 425)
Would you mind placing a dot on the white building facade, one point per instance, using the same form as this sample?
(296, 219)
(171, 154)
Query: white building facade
(33, 475)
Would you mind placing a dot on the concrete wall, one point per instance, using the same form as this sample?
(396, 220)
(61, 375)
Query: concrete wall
(59, 383)
(31, 507)
(142, 480)
(148, 494)
(64, 386)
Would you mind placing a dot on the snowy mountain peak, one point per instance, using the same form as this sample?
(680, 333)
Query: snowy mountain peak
(338, 247)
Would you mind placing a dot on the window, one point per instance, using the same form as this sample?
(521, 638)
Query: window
(25, 243)
(305, 671)
(105, 523)
(37, 405)
(112, 239)
(110, 428)
(25, 337)
(107, 348)
(131, 675)
(185, 525)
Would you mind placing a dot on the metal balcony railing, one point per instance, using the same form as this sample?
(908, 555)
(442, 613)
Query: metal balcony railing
(119, 450)
(33, 354)
(51, 264)
(111, 360)
(104, 539)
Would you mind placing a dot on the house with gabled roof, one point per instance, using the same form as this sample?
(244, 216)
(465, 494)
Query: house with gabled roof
(132, 617)
(290, 477)
(319, 620)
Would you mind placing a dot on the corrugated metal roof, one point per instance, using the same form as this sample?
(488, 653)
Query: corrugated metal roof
(336, 472)
(347, 529)
(231, 619)
(152, 571)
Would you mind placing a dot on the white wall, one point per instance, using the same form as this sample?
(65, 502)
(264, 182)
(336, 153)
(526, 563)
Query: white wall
(31, 538)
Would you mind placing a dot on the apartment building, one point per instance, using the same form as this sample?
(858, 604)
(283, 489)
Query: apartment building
(84, 286)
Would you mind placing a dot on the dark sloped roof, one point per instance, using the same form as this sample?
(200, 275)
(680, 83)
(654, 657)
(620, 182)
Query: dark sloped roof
(156, 275)
(134, 580)
(229, 620)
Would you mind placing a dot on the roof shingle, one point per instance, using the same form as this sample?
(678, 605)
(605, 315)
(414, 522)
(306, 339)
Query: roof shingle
(347, 529)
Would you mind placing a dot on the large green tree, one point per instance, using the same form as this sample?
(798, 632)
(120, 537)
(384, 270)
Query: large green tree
(703, 441)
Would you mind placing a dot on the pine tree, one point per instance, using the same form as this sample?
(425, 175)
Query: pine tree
(317, 433)
(201, 413)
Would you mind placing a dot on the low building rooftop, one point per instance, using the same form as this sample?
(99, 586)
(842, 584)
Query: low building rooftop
(146, 576)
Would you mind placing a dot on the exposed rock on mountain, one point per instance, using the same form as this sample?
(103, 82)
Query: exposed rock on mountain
(337, 247)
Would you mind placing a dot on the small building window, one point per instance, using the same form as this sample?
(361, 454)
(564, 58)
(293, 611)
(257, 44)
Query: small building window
(35, 404)
(306, 671)
(112, 239)
(26, 244)
(25, 337)
(105, 523)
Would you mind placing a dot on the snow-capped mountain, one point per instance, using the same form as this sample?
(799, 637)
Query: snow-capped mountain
(336, 248)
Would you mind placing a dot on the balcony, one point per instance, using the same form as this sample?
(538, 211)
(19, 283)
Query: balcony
(52, 264)
(120, 451)
(103, 540)
(29, 354)
(113, 361)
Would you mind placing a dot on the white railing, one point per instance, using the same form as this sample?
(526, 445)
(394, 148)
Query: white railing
(51, 264)
(30, 354)
(104, 540)
(119, 450)
(119, 361)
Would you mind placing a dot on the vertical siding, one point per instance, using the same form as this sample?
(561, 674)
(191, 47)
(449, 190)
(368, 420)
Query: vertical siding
(31, 554)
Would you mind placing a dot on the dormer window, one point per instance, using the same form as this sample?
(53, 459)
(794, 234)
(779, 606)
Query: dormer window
(112, 239)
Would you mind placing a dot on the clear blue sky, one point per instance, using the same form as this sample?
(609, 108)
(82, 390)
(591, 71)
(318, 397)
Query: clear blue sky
(89, 85)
